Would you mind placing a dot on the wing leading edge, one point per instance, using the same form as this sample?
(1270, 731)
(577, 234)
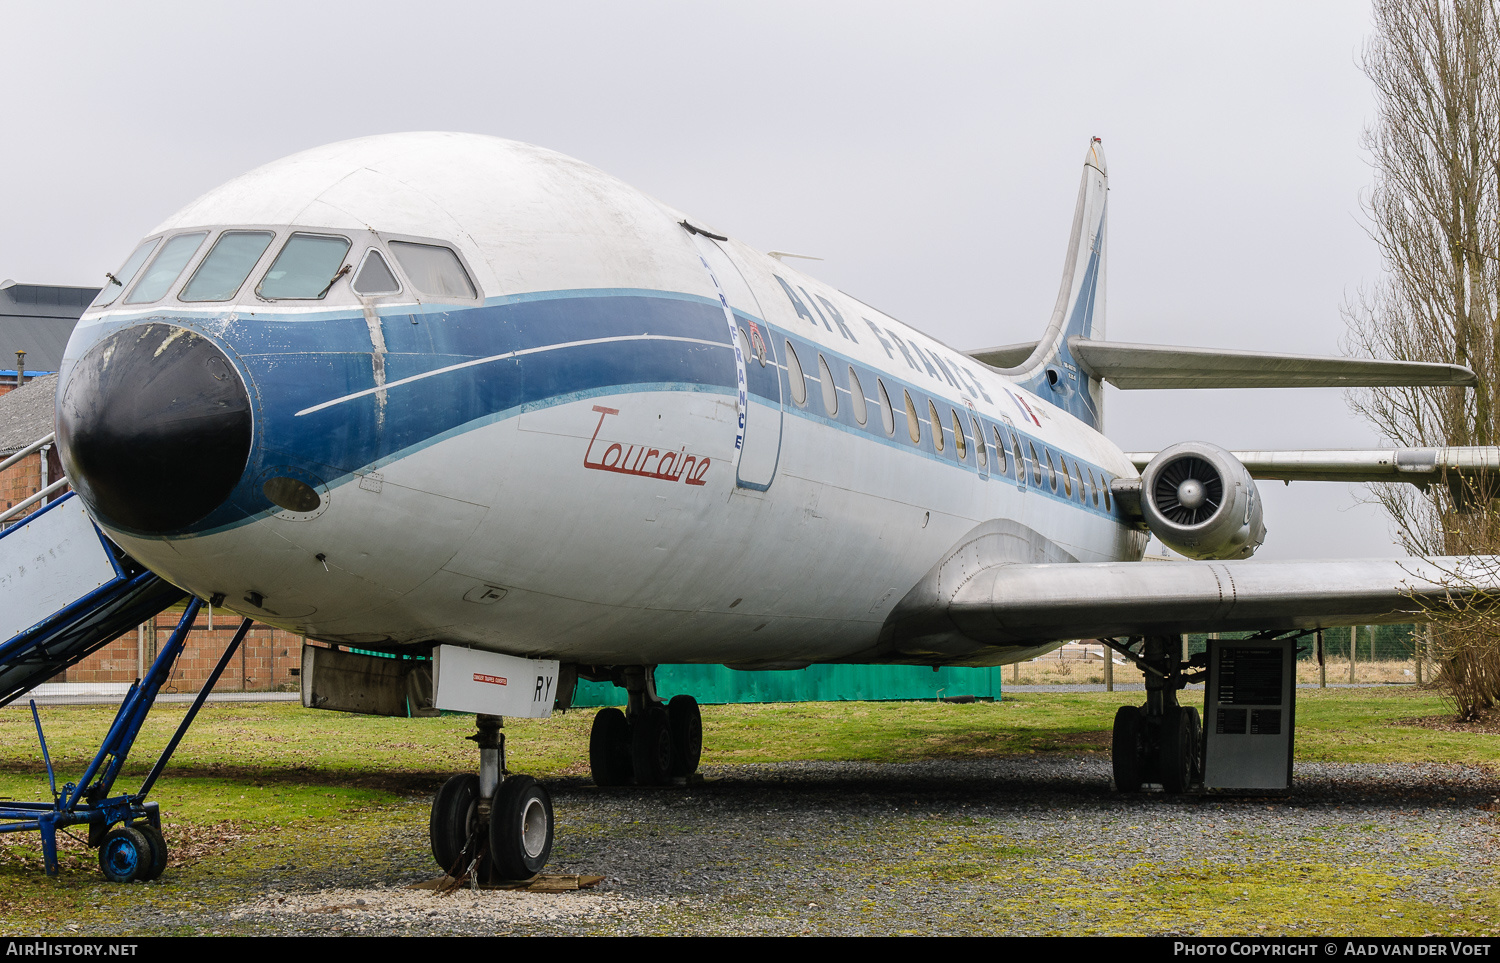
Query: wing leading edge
(961, 611)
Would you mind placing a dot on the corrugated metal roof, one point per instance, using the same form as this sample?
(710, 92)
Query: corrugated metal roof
(26, 414)
(37, 319)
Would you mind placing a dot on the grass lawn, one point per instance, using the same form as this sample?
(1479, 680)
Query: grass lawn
(257, 784)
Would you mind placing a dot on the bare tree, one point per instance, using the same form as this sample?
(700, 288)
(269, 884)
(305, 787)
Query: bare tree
(1435, 213)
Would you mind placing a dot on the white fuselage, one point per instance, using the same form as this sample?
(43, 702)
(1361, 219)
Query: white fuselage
(550, 468)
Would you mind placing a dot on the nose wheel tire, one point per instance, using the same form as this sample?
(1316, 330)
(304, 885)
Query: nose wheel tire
(1128, 750)
(520, 829)
(454, 828)
(687, 734)
(125, 855)
(609, 749)
(651, 746)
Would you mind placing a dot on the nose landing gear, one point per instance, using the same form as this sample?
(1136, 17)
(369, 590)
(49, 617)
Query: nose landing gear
(491, 827)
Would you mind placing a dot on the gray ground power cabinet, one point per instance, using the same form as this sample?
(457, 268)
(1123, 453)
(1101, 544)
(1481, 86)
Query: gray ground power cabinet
(1249, 714)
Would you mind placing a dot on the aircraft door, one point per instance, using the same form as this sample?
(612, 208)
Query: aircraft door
(983, 447)
(762, 449)
(760, 380)
(1017, 458)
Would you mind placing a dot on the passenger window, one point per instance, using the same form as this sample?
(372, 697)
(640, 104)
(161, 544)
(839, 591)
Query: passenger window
(744, 344)
(375, 276)
(1000, 465)
(857, 398)
(1078, 476)
(231, 259)
(306, 267)
(913, 426)
(433, 270)
(1051, 468)
(1104, 486)
(1094, 487)
(887, 413)
(1036, 465)
(937, 426)
(979, 445)
(1015, 447)
(960, 443)
(165, 267)
(830, 390)
(121, 279)
(1067, 479)
(795, 377)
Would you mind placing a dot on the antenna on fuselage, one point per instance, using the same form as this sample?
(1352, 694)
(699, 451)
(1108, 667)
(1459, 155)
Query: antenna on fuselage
(783, 255)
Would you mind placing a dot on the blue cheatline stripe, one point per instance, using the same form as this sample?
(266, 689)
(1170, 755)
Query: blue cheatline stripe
(614, 343)
(456, 370)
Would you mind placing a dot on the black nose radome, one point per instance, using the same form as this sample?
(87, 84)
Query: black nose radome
(153, 428)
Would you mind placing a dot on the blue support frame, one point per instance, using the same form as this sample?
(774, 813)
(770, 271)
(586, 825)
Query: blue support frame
(88, 800)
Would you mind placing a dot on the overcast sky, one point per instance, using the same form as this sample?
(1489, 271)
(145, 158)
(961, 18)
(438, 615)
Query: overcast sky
(930, 153)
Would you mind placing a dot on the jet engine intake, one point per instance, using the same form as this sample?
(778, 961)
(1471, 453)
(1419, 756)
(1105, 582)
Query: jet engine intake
(1200, 501)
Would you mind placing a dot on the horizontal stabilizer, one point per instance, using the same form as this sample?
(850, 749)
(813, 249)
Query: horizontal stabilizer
(1006, 355)
(1418, 466)
(1135, 366)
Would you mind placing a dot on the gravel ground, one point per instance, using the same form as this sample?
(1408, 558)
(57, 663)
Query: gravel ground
(1036, 845)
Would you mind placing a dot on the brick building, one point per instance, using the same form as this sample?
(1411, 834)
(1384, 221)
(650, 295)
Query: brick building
(267, 661)
(26, 416)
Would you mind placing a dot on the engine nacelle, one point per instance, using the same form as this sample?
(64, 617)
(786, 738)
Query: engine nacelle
(1201, 502)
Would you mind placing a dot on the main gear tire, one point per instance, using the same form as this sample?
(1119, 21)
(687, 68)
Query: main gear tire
(1178, 749)
(610, 749)
(687, 734)
(651, 746)
(1127, 751)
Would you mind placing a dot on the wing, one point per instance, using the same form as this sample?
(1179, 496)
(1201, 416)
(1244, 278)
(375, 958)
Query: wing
(1418, 466)
(979, 611)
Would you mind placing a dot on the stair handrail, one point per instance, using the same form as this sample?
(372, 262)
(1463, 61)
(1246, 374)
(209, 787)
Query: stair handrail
(56, 486)
(21, 506)
(34, 446)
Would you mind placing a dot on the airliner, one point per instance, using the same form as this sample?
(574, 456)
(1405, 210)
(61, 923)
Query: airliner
(469, 400)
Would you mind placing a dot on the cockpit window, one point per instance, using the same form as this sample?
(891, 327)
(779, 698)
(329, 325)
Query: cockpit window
(121, 279)
(434, 271)
(374, 276)
(306, 267)
(165, 267)
(227, 265)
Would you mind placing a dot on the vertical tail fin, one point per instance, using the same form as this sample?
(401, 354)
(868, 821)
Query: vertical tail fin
(1051, 371)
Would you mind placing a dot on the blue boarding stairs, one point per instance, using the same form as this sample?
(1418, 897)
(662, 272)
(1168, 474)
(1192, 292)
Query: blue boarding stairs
(65, 592)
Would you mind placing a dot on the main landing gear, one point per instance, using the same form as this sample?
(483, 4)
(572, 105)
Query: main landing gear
(492, 827)
(652, 743)
(1161, 741)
